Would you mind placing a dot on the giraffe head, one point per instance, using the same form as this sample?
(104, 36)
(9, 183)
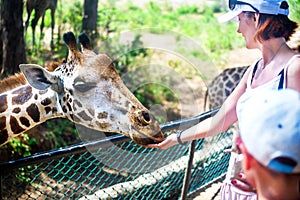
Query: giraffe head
(91, 93)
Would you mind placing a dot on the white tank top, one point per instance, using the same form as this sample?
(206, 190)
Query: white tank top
(279, 82)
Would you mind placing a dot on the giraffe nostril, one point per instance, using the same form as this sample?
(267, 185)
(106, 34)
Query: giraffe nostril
(143, 118)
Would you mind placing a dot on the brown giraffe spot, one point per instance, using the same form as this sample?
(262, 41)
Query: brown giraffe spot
(102, 115)
(2, 123)
(77, 103)
(64, 109)
(46, 102)
(103, 125)
(84, 116)
(109, 94)
(76, 119)
(47, 109)
(23, 95)
(33, 112)
(3, 136)
(71, 92)
(15, 127)
(54, 110)
(3, 103)
(24, 121)
(69, 106)
(127, 104)
(16, 110)
(91, 111)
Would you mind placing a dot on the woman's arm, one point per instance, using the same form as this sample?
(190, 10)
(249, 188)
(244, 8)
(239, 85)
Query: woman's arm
(220, 122)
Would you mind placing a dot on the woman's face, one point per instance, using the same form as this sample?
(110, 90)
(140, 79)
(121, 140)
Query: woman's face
(247, 27)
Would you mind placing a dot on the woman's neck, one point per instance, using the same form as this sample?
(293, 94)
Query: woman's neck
(271, 49)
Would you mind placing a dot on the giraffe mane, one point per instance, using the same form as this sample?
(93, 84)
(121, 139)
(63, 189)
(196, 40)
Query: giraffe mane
(19, 79)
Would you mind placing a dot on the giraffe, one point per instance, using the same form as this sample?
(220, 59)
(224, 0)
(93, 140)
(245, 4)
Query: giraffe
(220, 88)
(40, 7)
(85, 89)
(222, 85)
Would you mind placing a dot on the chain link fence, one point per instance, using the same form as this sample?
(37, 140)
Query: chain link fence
(116, 168)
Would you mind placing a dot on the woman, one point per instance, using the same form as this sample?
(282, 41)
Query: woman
(265, 25)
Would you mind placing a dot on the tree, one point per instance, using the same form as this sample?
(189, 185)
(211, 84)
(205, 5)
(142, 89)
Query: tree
(90, 16)
(12, 43)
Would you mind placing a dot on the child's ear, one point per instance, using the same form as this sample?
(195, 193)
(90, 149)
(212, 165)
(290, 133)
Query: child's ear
(247, 159)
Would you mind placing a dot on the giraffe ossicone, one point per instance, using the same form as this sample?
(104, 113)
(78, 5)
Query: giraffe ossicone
(85, 89)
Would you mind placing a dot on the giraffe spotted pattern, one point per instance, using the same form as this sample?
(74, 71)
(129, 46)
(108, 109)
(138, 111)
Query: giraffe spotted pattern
(85, 89)
(222, 86)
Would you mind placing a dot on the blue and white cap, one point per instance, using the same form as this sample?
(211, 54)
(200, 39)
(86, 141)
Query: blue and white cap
(272, 7)
(270, 129)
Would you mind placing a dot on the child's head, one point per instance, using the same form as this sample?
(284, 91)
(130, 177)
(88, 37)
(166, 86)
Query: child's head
(270, 130)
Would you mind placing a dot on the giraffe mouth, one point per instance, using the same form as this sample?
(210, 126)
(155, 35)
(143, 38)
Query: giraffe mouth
(146, 128)
(144, 139)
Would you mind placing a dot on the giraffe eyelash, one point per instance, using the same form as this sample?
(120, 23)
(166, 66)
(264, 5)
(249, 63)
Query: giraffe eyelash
(84, 87)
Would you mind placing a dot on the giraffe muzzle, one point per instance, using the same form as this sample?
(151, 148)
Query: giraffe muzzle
(148, 129)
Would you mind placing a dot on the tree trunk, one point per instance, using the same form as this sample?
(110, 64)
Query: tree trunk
(12, 35)
(90, 16)
(1, 28)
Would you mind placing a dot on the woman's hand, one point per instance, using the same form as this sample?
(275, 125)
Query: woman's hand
(170, 141)
(242, 183)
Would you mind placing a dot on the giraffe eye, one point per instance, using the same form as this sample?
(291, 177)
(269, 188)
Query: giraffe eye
(84, 87)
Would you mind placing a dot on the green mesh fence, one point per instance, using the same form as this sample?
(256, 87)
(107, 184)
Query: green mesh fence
(213, 163)
(118, 171)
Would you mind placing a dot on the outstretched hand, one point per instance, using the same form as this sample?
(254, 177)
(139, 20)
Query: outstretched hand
(170, 141)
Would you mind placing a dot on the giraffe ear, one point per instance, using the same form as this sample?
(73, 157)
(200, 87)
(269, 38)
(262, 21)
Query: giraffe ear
(38, 77)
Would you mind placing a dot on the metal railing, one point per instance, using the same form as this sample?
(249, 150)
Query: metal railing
(116, 168)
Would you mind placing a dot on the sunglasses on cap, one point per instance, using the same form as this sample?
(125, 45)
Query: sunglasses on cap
(233, 3)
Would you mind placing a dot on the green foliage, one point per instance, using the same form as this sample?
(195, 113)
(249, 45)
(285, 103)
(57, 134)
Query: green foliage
(73, 16)
(23, 174)
(21, 148)
(62, 132)
(130, 54)
(154, 94)
(185, 10)
(17, 148)
(295, 10)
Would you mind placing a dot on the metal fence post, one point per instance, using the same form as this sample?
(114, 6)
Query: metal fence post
(188, 172)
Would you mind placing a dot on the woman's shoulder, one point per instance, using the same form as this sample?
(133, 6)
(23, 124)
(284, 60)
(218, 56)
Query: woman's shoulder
(251, 70)
(293, 73)
(294, 62)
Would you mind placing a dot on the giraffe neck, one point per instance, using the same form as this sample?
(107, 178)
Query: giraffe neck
(25, 107)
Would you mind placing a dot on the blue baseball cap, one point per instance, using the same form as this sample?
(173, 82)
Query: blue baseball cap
(269, 125)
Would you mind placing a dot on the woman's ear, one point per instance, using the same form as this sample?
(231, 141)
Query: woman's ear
(256, 19)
